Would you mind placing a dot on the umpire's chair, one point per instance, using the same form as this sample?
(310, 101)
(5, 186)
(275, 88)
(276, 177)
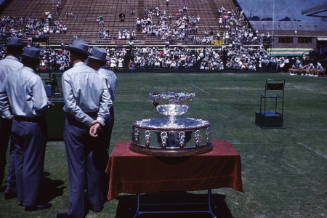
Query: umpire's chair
(271, 111)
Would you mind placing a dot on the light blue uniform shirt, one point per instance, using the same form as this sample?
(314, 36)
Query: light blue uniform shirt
(85, 91)
(111, 80)
(7, 65)
(26, 93)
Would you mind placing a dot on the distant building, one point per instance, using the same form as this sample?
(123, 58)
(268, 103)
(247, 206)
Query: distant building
(292, 31)
(294, 37)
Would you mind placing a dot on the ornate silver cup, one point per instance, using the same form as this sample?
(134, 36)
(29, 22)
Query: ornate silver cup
(172, 104)
(172, 136)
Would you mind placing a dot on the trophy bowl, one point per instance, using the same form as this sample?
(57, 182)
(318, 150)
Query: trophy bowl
(172, 104)
(172, 109)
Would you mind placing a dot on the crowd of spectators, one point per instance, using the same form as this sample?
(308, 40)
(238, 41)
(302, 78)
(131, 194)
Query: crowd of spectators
(182, 27)
(158, 23)
(24, 27)
(207, 58)
(237, 29)
(104, 33)
(116, 58)
(179, 27)
(128, 34)
(54, 59)
(309, 69)
(186, 58)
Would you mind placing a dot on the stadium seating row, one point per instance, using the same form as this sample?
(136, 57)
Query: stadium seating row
(83, 23)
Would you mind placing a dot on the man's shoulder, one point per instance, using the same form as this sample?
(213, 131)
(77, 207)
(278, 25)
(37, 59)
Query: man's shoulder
(23, 75)
(66, 74)
(10, 62)
(29, 74)
(36, 78)
(81, 67)
(68, 71)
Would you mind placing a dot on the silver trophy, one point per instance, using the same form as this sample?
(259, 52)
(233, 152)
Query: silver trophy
(171, 136)
(172, 104)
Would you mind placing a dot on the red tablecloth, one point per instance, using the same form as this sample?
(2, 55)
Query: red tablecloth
(132, 172)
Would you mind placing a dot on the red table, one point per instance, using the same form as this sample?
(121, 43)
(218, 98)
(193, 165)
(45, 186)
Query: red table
(132, 172)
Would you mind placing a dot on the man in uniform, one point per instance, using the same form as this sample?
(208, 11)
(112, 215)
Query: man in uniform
(8, 65)
(28, 102)
(97, 60)
(87, 104)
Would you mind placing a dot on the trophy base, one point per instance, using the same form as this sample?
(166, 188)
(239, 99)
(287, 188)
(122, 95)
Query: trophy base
(185, 137)
(171, 151)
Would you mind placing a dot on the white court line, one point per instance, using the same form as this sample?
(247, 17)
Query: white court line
(314, 151)
(194, 86)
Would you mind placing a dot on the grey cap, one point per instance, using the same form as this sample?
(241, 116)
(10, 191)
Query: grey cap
(80, 46)
(31, 52)
(15, 42)
(99, 54)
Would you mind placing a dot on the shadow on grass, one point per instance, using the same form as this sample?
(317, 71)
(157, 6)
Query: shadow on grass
(2, 188)
(50, 188)
(172, 201)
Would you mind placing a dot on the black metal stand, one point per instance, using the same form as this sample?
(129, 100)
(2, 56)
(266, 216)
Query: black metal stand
(139, 211)
(273, 116)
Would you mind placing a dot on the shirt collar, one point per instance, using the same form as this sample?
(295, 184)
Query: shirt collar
(28, 68)
(11, 58)
(79, 64)
(103, 68)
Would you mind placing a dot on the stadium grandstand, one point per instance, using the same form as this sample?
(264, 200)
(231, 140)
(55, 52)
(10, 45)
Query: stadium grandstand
(203, 35)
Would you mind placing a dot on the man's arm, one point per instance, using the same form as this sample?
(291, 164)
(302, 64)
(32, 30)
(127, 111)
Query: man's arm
(105, 104)
(40, 98)
(114, 85)
(4, 102)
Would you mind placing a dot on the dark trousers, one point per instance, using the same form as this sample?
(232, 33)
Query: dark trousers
(5, 129)
(29, 139)
(87, 158)
(109, 126)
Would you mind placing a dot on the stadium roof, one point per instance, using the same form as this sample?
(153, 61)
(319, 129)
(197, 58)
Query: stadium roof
(318, 11)
(280, 9)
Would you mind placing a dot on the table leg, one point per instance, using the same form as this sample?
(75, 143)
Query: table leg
(210, 210)
(137, 206)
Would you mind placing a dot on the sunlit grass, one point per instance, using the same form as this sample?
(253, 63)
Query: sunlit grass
(283, 170)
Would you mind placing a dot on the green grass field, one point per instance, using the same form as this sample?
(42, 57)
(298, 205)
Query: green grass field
(284, 171)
